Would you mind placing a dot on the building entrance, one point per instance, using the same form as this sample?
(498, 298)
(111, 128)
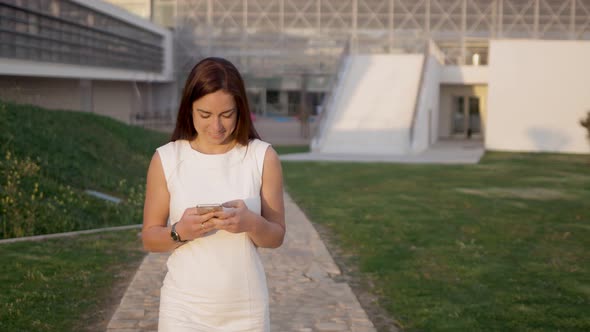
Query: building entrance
(466, 121)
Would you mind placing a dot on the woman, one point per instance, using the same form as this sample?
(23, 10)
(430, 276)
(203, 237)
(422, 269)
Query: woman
(215, 279)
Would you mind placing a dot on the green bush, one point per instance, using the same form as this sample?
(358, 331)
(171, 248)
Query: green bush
(586, 124)
(26, 209)
(19, 195)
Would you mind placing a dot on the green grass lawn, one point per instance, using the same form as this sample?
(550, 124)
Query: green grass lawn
(65, 284)
(498, 246)
(286, 149)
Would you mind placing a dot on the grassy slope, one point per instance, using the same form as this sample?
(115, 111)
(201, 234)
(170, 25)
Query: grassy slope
(499, 246)
(73, 152)
(85, 151)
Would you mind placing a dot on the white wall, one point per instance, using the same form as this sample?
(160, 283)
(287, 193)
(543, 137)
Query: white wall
(372, 111)
(117, 100)
(45, 92)
(538, 92)
(466, 75)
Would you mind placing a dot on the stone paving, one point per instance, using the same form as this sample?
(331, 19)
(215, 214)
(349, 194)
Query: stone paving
(303, 294)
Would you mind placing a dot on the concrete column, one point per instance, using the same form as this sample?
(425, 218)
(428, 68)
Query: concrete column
(427, 19)
(494, 19)
(262, 100)
(149, 107)
(500, 18)
(303, 109)
(303, 91)
(86, 103)
(354, 43)
(318, 9)
(390, 27)
(463, 32)
(282, 16)
(573, 19)
(536, 21)
(209, 25)
(284, 101)
(136, 103)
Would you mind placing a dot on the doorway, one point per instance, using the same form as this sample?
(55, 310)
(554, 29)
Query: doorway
(466, 122)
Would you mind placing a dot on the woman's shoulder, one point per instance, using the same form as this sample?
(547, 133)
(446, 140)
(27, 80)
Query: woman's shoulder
(256, 142)
(258, 146)
(172, 145)
(172, 150)
(171, 155)
(257, 150)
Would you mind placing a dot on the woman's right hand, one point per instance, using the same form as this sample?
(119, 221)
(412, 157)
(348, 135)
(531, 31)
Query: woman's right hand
(193, 225)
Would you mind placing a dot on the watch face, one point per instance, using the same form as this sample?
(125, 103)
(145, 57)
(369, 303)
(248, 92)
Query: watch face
(174, 236)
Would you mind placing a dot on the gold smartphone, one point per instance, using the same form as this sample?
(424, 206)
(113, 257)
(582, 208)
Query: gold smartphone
(206, 208)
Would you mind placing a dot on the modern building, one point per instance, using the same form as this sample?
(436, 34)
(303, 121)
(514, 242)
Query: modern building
(395, 76)
(87, 56)
(400, 75)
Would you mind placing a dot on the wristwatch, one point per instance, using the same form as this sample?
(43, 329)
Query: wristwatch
(175, 236)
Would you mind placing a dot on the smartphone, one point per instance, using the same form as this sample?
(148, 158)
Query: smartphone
(206, 208)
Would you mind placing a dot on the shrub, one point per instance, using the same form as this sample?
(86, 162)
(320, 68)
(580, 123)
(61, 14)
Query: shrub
(31, 204)
(586, 124)
(19, 195)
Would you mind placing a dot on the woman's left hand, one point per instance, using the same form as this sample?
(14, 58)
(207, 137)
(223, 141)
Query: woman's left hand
(236, 218)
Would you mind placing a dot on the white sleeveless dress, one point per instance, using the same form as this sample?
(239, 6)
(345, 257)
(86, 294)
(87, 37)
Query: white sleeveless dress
(216, 282)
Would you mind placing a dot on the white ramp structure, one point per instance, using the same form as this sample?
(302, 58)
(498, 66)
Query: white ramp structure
(373, 105)
(383, 104)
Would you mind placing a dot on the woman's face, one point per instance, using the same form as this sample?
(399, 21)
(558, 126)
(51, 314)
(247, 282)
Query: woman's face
(215, 117)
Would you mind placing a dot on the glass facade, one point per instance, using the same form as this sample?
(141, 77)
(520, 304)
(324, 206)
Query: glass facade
(66, 32)
(286, 36)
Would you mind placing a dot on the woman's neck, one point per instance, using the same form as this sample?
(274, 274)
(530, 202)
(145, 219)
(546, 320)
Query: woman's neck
(205, 148)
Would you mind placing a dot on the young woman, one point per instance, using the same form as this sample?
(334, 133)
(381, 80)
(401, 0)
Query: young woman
(215, 279)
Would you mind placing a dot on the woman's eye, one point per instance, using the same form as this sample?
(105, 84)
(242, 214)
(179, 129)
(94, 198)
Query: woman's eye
(227, 116)
(205, 116)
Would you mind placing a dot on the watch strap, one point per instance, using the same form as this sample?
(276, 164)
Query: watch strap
(175, 236)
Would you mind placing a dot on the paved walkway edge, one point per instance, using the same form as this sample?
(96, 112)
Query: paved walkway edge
(58, 235)
(303, 295)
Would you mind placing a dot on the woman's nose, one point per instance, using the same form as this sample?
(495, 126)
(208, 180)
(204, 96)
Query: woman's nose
(217, 124)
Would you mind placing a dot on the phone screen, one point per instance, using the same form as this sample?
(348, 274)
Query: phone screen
(206, 208)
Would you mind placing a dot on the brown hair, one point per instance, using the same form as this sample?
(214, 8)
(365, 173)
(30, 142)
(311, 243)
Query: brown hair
(208, 76)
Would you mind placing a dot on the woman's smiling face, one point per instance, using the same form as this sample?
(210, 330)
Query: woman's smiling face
(215, 117)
